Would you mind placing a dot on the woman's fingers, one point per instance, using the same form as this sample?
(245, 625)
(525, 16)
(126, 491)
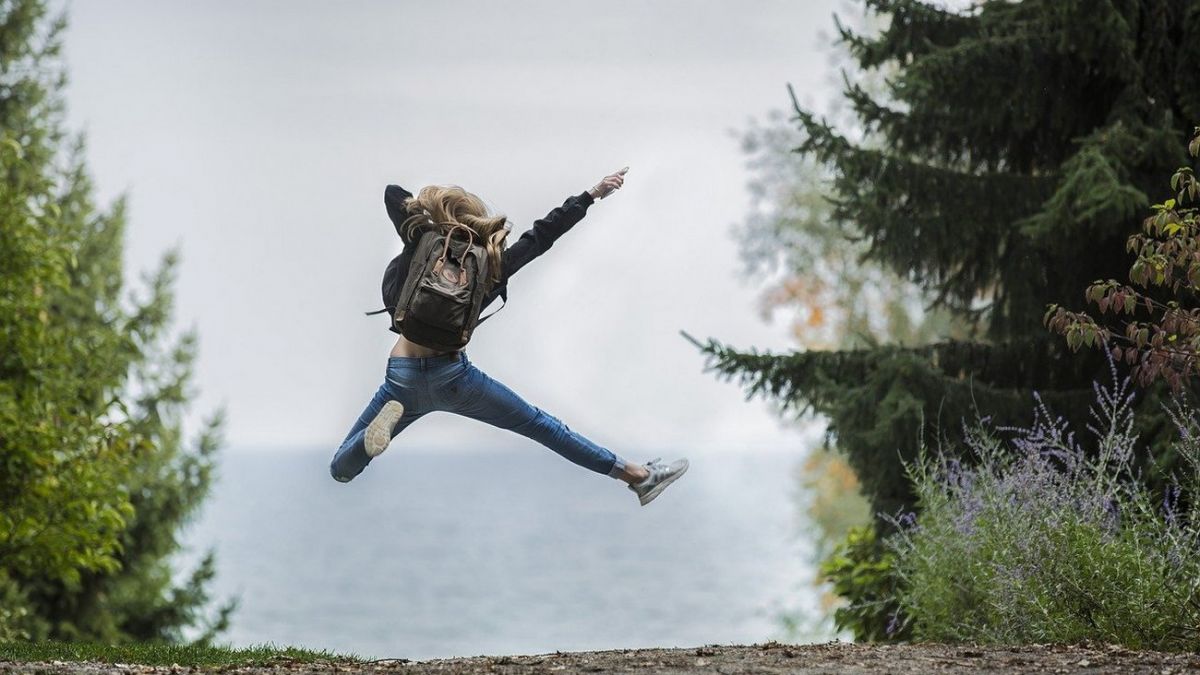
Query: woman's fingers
(611, 182)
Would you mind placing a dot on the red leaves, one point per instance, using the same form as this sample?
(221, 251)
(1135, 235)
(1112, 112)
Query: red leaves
(1167, 254)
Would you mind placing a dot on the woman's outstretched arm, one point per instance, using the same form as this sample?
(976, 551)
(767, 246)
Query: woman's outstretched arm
(539, 238)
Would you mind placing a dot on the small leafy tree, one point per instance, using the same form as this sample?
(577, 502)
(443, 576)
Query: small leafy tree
(96, 476)
(63, 466)
(1155, 323)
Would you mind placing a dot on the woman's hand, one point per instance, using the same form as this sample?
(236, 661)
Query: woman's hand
(608, 184)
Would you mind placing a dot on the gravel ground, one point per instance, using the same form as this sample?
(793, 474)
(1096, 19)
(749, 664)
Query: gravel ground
(765, 658)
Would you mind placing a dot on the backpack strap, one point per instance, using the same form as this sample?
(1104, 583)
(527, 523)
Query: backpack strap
(378, 311)
(503, 293)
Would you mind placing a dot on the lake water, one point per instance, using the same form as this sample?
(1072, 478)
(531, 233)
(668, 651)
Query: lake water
(501, 551)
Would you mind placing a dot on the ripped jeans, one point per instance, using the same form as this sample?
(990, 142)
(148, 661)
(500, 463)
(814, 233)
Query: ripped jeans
(453, 384)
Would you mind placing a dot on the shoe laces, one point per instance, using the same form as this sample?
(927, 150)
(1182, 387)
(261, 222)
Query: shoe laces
(656, 468)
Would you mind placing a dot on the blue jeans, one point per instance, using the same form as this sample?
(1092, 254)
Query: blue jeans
(453, 384)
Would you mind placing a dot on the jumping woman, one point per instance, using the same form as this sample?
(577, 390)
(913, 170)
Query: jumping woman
(422, 378)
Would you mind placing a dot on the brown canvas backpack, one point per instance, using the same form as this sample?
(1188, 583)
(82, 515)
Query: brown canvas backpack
(438, 306)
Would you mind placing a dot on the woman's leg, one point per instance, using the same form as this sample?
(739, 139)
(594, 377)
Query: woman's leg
(351, 458)
(487, 400)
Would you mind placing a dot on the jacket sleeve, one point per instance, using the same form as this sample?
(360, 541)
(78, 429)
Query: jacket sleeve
(539, 238)
(393, 200)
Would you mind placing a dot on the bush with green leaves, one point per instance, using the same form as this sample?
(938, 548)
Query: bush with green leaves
(864, 575)
(1153, 325)
(1053, 536)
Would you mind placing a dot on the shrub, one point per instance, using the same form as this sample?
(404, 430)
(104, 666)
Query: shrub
(15, 616)
(864, 574)
(1156, 329)
(1054, 537)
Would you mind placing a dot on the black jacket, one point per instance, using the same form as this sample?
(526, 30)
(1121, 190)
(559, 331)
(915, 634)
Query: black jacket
(532, 243)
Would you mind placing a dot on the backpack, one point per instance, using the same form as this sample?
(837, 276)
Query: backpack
(439, 304)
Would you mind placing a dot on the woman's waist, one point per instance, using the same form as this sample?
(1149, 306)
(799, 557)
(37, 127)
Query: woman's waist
(403, 369)
(404, 348)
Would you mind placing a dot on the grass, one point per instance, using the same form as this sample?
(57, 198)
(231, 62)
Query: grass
(163, 654)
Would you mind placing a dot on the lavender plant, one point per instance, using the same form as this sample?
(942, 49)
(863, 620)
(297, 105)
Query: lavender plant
(1050, 536)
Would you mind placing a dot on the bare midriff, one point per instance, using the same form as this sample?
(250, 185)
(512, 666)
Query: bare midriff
(410, 350)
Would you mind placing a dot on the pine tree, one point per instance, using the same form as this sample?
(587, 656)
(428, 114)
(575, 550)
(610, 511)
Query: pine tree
(95, 476)
(813, 265)
(1002, 170)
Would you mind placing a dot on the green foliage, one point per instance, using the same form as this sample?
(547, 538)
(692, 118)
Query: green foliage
(152, 654)
(997, 172)
(1053, 538)
(64, 470)
(95, 477)
(1160, 338)
(14, 611)
(885, 404)
(811, 264)
(815, 264)
(863, 573)
(812, 270)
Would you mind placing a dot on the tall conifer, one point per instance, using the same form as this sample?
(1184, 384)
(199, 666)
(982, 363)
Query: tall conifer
(1010, 157)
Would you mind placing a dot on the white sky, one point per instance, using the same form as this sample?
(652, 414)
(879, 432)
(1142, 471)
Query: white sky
(258, 137)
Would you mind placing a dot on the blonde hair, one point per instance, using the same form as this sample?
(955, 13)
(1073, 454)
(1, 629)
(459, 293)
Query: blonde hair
(445, 206)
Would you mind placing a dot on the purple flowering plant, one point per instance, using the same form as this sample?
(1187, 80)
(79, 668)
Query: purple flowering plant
(1053, 536)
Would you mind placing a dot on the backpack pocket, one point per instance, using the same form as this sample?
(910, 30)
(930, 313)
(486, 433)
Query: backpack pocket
(440, 305)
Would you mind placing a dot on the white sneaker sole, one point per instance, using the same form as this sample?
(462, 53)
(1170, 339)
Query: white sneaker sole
(379, 431)
(657, 489)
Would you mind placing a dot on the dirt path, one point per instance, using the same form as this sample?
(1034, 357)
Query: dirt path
(766, 658)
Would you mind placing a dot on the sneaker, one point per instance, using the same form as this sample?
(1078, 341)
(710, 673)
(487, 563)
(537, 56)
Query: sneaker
(661, 475)
(379, 431)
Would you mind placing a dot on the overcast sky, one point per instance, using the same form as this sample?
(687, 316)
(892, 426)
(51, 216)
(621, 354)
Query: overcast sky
(257, 137)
